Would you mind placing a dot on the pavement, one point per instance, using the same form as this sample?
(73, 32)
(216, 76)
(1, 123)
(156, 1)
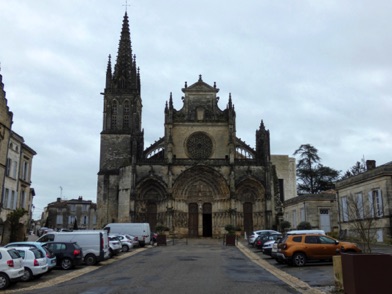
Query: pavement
(242, 245)
(294, 282)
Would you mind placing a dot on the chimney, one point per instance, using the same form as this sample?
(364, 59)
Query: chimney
(80, 198)
(370, 164)
(58, 199)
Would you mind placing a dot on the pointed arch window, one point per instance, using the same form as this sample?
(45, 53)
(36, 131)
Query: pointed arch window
(114, 115)
(126, 114)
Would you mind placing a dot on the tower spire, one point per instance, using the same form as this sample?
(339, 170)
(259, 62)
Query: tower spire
(125, 73)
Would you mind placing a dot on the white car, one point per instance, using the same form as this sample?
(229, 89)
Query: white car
(126, 241)
(115, 246)
(255, 234)
(267, 247)
(34, 262)
(135, 240)
(11, 267)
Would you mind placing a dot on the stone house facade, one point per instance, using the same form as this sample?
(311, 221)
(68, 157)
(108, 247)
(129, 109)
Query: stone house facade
(62, 214)
(196, 179)
(367, 197)
(16, 159)
(320, 210)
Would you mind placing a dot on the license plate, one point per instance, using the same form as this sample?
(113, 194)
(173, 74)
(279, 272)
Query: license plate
(44, 268)
(53, 261)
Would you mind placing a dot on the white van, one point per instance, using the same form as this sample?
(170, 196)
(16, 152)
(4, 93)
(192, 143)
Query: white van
(140, 230)
(94, 243)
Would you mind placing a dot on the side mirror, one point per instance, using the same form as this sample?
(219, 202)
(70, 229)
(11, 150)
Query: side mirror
(336, 242)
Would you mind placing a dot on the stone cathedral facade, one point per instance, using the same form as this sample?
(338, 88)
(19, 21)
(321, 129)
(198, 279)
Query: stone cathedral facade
(196, 179)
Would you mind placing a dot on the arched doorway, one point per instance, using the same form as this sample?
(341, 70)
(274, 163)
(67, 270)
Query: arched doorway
(207, 220)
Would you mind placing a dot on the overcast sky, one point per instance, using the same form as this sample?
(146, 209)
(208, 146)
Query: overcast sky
(316, 72)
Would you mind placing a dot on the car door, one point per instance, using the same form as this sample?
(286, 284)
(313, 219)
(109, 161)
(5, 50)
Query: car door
(56, 249)
(312, 247)
(328, 247)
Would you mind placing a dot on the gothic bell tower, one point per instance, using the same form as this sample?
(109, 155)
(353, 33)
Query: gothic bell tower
(122, 134)
(122, 137)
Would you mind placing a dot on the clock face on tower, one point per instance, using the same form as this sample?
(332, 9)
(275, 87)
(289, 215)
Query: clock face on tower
(199, 146)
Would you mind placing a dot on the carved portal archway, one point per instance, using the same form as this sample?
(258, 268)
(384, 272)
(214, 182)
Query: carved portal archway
(151, 193)
(200, 188)
(251, 194)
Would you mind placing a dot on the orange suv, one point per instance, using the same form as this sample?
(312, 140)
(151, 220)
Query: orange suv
(297, 249)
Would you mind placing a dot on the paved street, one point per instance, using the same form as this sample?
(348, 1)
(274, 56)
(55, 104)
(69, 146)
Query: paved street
(199, 266)
(189, 266)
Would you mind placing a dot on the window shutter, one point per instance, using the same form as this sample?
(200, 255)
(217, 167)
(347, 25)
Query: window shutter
(371, 206)
(380, 207)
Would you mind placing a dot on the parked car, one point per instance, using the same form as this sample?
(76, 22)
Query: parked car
(11, 267)
(43, 230)
(34, 262)
(261, 239)
(126, 242)
(274, 250)
(68, 254)
(94, 243)
(50, 257)
(298, 249)
(140, 230)
(255, 234)
(115, 245)
(135, 240)
(267, 247)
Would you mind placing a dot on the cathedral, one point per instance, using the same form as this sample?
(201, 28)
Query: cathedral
(196, 179)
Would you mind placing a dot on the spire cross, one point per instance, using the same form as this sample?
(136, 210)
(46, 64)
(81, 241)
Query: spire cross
(126, 5)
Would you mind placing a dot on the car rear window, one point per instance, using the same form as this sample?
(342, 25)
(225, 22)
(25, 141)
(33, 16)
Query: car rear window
(21, 253)
(76, 245)
(37, 253)
(13, 253)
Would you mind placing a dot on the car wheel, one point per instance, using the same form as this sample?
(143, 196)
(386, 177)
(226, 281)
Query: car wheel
(125, 248)
(299, 259)
(66, 264)
(4, 281)
(90, 259)
(27, 275)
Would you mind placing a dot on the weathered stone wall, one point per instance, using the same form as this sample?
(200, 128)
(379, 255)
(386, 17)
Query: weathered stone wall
(286, 170)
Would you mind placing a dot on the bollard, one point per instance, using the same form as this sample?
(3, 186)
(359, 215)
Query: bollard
(338, 272)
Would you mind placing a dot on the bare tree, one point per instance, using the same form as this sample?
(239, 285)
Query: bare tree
(361, 219)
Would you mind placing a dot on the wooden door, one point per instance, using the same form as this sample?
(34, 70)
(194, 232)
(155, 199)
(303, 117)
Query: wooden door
(193, 222)
(248, 218)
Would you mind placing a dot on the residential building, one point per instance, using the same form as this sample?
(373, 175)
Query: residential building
(62, 214)
(197, 178)
(16, 160)
(367, 198)
(320, 210)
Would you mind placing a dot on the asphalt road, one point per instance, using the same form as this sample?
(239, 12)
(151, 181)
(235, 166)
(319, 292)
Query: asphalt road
(198, 266)
(189, 266)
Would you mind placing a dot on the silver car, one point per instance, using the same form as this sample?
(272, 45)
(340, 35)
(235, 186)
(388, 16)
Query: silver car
(255, 234)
